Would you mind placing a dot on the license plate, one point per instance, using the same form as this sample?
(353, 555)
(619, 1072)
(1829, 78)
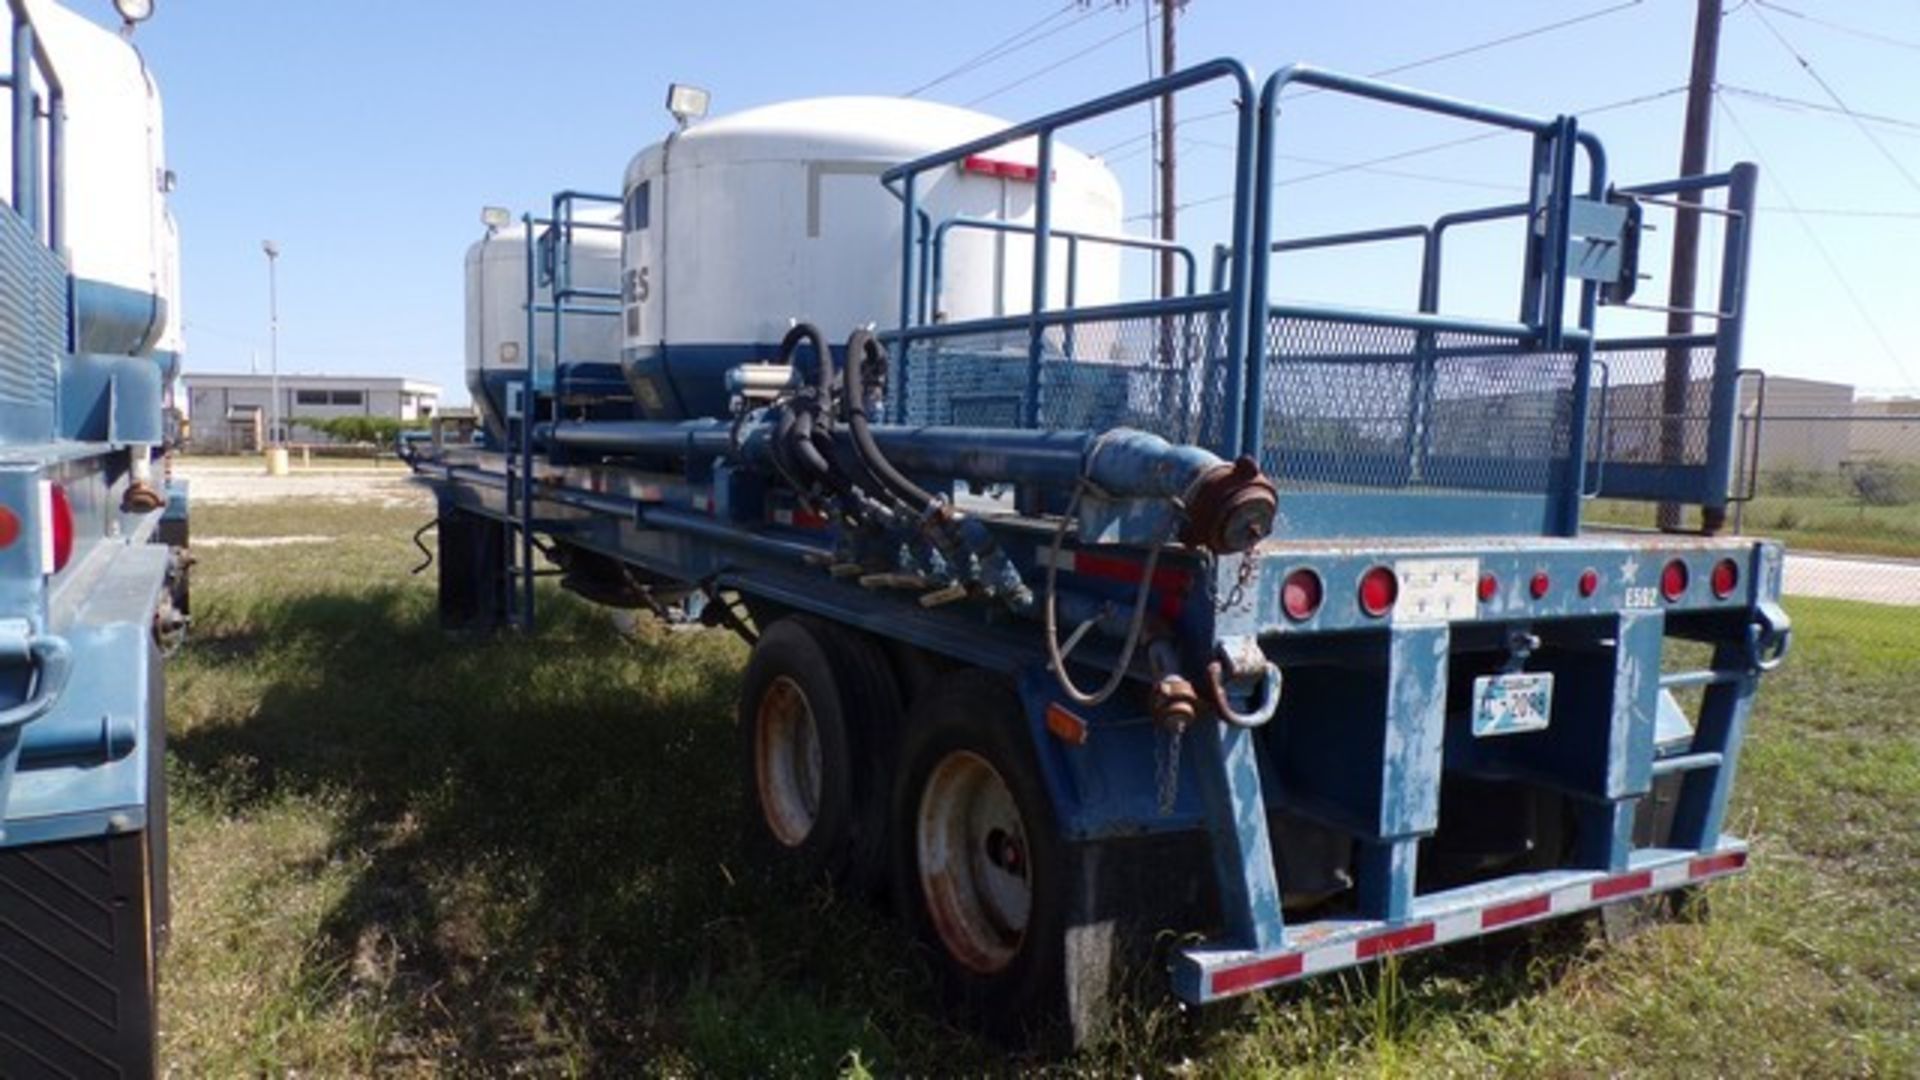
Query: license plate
(1511, 704)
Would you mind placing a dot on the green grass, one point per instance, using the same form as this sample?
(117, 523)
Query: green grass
(401, 853)
(1803, 522)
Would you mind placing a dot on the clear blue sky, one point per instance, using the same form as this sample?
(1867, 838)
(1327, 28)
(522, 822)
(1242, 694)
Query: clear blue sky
(364, 135)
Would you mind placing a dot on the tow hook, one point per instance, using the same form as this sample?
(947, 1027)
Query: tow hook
(1769, 637)
(1241, 658)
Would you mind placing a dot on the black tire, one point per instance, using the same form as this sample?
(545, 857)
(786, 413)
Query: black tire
(848, 693)
(1014, 988)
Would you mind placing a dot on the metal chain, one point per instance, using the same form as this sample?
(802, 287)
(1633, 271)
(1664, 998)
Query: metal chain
(1244, 577)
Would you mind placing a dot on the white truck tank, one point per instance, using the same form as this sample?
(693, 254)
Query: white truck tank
(497, 346)
(740, 225)
(121, 243)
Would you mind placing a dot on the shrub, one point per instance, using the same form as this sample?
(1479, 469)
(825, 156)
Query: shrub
(1794, 480)
(1876, 483)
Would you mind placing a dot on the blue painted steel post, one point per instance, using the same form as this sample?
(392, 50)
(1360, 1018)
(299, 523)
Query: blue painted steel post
(1565, 144)
(1724, 413)
(1228, 770)
(1416, 724)
(903, 347)
(1042, 243)
(26, 129)
(1605, 821)
(56, 169)
(1723, 724)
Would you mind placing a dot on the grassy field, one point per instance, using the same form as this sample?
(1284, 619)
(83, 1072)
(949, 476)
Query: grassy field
(1804, 522)
(397, 853)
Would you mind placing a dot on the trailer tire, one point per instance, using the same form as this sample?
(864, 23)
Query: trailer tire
(979, 871)
(816, 705)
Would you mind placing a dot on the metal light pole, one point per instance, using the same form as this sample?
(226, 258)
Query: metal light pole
(273, 341)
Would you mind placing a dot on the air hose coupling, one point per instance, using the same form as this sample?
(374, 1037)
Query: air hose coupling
(1230, 507)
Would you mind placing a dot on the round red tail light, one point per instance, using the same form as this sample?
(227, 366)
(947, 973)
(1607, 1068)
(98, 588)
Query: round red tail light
(1489, 588)
(1673, 580)
(1301, 594)
(1589, 582)
(1726, 577)
(1379, 588)
(9, 527)
(1539, 584)
(59, 528)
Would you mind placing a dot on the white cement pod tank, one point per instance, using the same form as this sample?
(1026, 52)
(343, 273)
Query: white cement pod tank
(497, 346)
(740, 225)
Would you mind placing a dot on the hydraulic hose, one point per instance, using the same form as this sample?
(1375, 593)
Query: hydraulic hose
(823, 379)
(864, 348)
(1050, 619)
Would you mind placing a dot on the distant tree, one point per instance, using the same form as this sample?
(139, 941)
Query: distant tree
(366, 430)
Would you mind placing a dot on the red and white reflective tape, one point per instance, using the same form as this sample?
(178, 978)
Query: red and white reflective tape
(1170, 582)
(1278, 968)
(703, 503)
(799, 519)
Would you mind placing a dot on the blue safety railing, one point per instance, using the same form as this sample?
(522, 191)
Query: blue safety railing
(1029, 370)
(1641, 445)
(549, 267)
(1340, 403)
(1423, 402)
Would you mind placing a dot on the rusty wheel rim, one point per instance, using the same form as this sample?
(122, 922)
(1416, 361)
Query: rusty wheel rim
(972, 850)
(786, 761)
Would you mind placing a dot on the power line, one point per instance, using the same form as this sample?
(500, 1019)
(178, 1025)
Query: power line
(1851, 212)
(1006, 47)
(1841, 28)
(1806, 66)
(1054, 66)
(1813, 237)
(1429, 148)
(1411, 65)
(1784, 101)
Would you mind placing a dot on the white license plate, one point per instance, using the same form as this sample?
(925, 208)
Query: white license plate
(1513, 703)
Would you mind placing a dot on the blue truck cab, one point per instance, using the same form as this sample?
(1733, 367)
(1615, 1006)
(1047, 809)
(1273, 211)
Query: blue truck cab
(92, 535)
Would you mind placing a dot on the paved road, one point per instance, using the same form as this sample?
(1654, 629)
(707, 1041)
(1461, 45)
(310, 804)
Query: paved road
(1879, 581)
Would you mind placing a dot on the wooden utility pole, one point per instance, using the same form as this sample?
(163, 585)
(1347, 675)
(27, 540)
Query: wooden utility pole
(1678, 383)
(1168, 8)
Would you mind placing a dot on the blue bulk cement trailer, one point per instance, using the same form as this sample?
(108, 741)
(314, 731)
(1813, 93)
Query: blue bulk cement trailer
(92, 556)
(1078, 618)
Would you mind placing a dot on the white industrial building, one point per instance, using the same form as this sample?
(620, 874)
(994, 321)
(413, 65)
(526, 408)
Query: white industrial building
(229, 413)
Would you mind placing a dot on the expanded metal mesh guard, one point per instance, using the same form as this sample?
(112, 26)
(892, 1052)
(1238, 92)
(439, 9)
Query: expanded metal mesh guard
(1160, 373)
(1644, 422)
(1368, 405)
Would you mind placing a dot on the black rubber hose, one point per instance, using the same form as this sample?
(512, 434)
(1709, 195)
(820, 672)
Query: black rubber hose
(862, 348)
(824, 373)
(803, 447)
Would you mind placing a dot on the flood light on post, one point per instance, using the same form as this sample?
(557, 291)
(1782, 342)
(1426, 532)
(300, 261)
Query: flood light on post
(687, 103)
(495, 218)
(134, 11)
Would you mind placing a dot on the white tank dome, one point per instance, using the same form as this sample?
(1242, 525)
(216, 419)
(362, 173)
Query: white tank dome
(741, 224)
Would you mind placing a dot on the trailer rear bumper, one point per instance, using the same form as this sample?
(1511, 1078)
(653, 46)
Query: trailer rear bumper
(1210, 973)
